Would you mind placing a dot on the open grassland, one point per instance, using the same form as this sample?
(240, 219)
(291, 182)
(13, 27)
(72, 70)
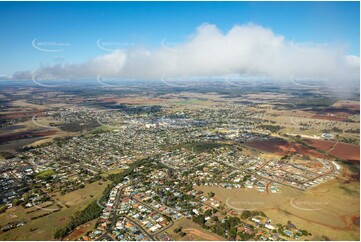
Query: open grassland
(91, 191)
(24, 104)
(194, 232)
(320, 210)
(29, 133)
(192, 101)
(132, 100)
(44, 228)
(305, 123)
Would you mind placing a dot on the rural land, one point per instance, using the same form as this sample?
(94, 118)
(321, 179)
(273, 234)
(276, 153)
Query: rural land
(210, 160)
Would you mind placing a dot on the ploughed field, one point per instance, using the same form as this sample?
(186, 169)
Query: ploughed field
(26, 135)
(341, 113)
(282, 147)
(340, 150)
(328, 117)
(19, 114)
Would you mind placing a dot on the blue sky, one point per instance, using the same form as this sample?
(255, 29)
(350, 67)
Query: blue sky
(147, 24)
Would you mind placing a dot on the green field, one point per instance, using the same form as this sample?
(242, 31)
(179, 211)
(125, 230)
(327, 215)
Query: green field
(45, 227)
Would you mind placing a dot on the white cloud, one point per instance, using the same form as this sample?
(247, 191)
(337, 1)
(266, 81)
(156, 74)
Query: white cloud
(246, 49)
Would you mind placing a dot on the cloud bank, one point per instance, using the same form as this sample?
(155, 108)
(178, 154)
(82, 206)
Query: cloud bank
(245, 49)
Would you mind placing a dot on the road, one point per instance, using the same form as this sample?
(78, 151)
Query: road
(114, 211)
(114, 217)
(269, 183)
(107, 235)
(281, 183)
(150, 207)
(325, 174)
(141, 228)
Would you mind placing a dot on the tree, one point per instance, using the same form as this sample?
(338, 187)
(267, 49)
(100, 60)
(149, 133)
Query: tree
(16, 202)
(60, 233)
(246, 214)
(208, 213)
(2, 209)
(233, 232)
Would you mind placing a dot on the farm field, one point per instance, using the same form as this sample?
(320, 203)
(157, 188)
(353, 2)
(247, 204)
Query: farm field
(304, 123)
(346, 152)
(283, 147)
(340, 150)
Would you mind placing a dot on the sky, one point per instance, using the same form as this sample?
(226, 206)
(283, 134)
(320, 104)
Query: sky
(153, 39)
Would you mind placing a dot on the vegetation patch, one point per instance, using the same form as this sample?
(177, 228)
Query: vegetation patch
(201, 146)
(45, 175)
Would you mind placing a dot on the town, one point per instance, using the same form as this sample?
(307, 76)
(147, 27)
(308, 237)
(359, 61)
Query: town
(167, 157)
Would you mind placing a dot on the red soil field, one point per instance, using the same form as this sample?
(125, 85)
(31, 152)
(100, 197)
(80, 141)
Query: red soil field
(354, 106)
(340, 150)
(43, 133)
(131, 100)
(15, 115)
(320, 144)
(350, 106)
(283, 147)
(77, 233)
(25, 135)
(346, 152)
(356, 220)
(328, 117)
(268, 145)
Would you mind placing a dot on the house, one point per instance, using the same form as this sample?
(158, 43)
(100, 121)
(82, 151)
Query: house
(92, 235)
(163, 223)
(128, 225)
(86, 238)
(155, 228)
(139, 237)
(21, 223)
(256, 220)
(28, 205)
(119, 225)
(133, 229)
(269, 226)
(328, 136)
(288, 233)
